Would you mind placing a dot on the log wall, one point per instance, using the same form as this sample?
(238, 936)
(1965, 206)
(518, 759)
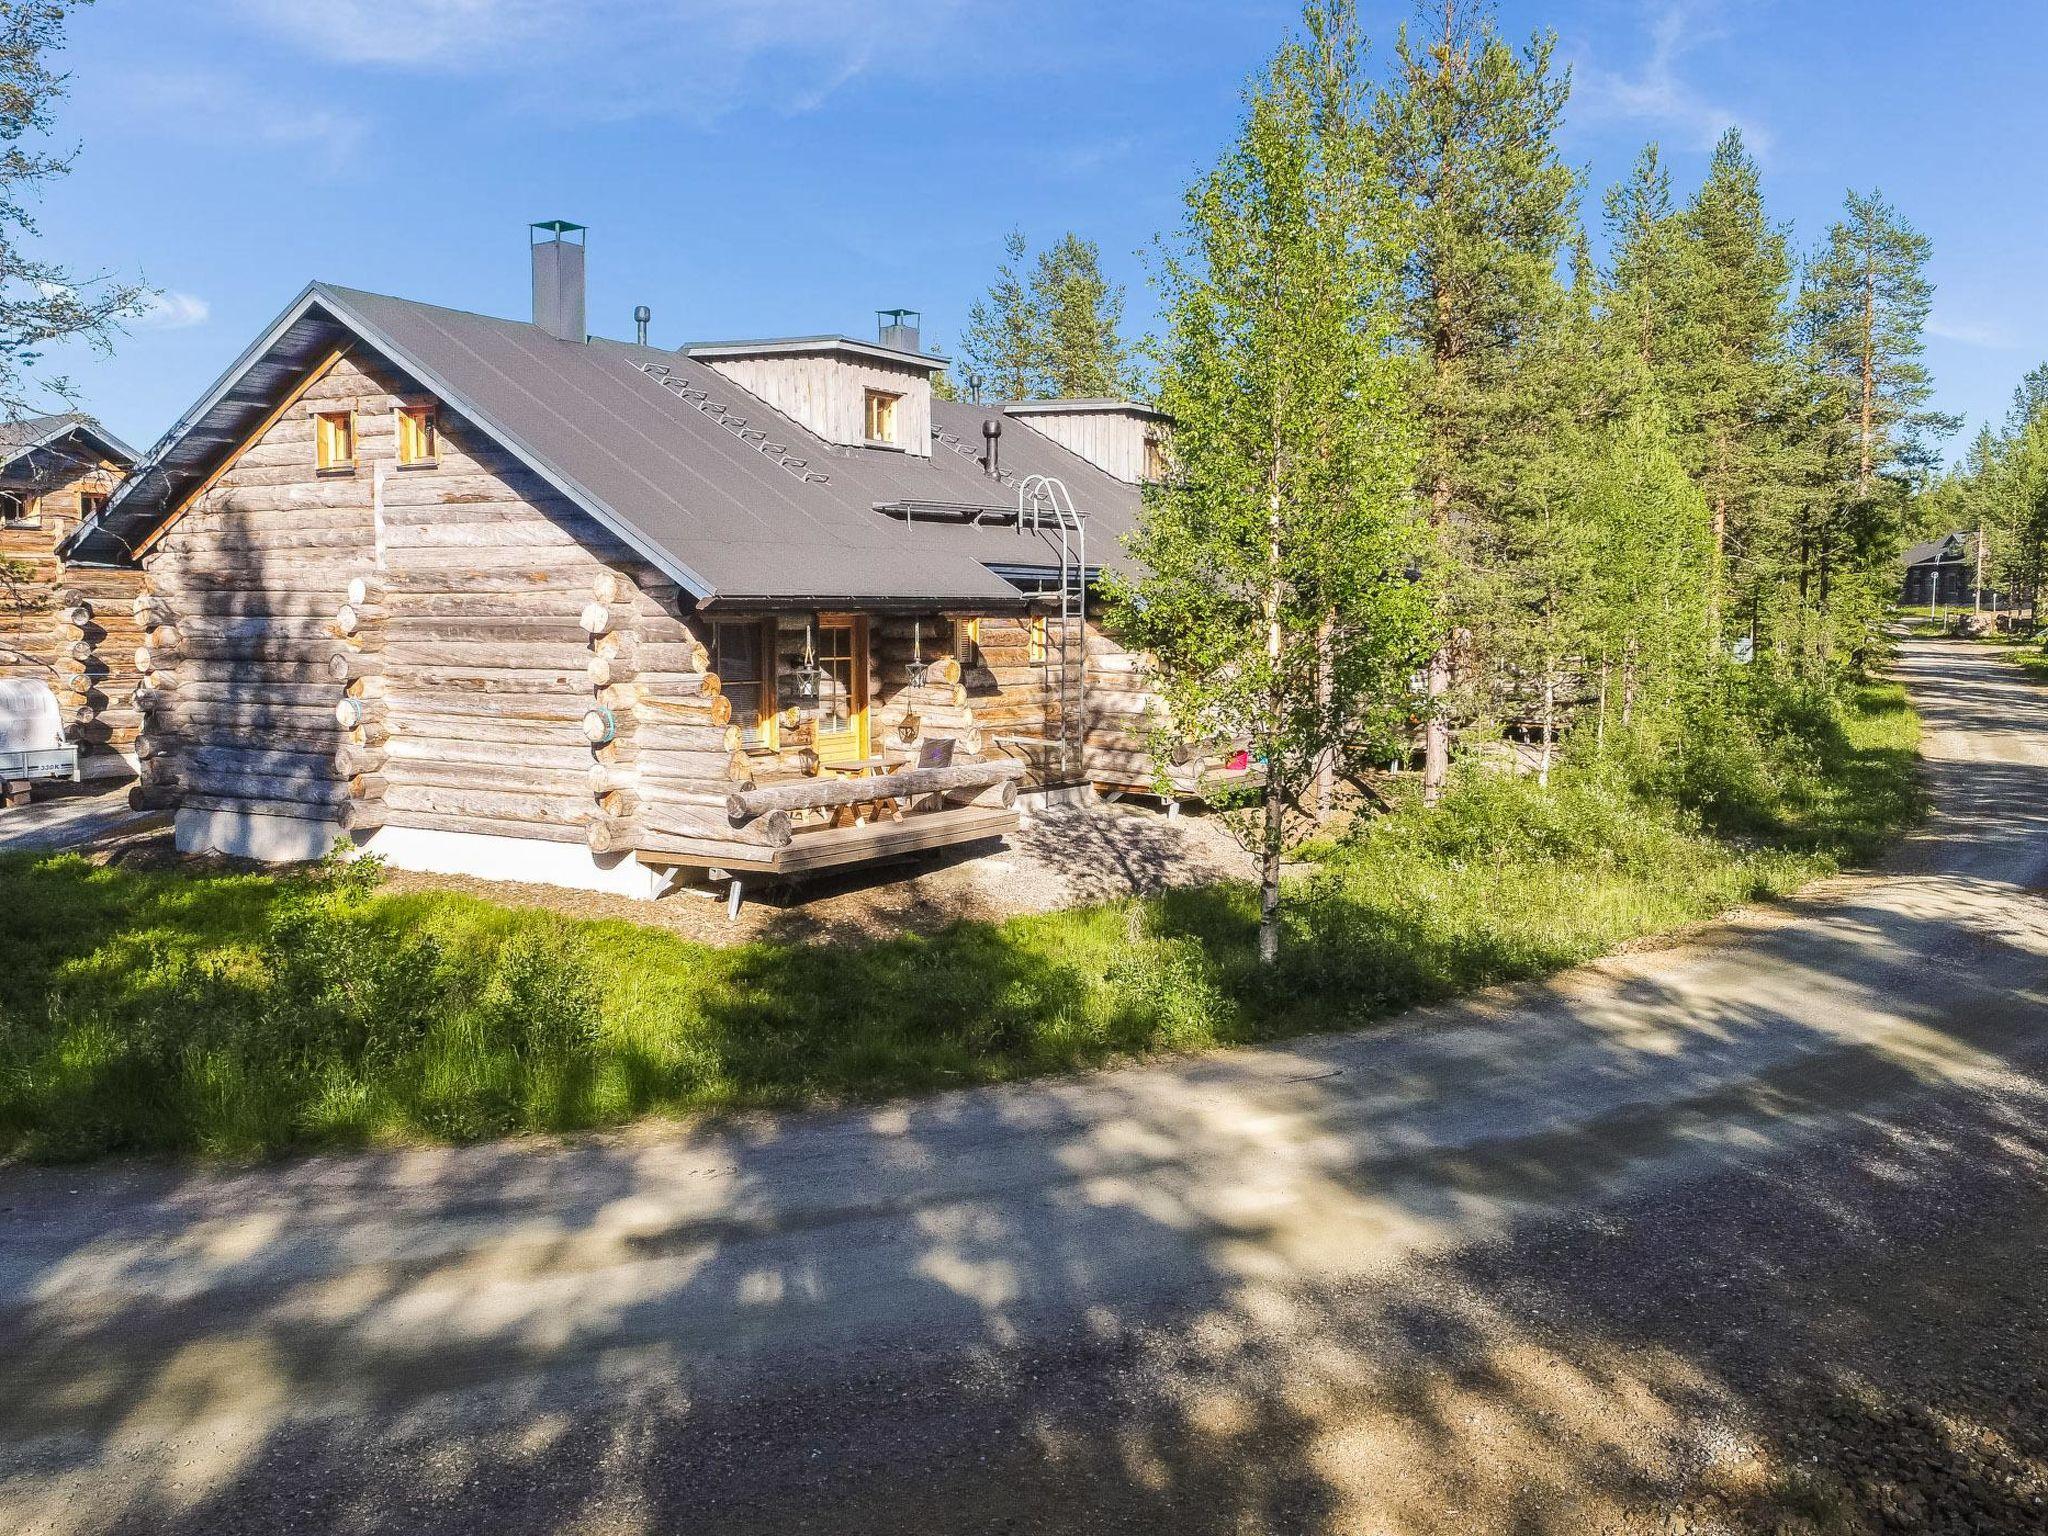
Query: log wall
(452, 647)
(71, 626)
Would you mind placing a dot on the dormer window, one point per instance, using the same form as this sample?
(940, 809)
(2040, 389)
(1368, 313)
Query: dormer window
(1155, 457)
(881, 418)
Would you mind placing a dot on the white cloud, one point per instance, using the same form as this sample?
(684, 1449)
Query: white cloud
(1972, 333)
(215, 108)
(1657, 92)
(622, 58)
(171, 310)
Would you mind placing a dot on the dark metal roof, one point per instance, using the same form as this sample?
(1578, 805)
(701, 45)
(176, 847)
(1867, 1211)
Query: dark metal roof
(30, 444)
(1948, 548)
(685, 486)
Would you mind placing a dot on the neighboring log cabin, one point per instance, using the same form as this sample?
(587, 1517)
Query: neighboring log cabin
(497, 597)
(69, 624)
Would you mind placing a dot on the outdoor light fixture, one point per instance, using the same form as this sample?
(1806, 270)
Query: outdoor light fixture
(807, 674)
(919, 667)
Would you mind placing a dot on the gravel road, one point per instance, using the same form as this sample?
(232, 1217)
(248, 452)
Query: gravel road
(1741, 1235)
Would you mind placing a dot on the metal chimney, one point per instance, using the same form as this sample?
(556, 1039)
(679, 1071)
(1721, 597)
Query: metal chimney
(992, 453)
(558, 279)
(641, 315)
(898, 328)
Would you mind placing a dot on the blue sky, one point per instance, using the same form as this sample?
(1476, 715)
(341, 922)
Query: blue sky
(759, 167)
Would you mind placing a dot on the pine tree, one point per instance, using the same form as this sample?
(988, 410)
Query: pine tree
(1468, 126)
(1727, 387)
(1863, 313)
(1076, 315)
(1001, 350)
(1650, 281)
(1276, 595)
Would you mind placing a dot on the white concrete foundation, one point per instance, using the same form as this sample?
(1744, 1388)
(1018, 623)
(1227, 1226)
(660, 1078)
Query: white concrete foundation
(96, 765)
(1031, 802)
(251, 835)
(533, 860)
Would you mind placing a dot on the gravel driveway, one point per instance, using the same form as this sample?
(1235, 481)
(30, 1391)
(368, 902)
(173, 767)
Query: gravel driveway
(1744, 1235)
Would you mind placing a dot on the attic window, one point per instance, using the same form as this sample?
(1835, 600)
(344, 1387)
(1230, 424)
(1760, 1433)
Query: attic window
(881, 417)
(334, 440)
(18, 507)
(419, 436)
(91, 503)
(1155, 457)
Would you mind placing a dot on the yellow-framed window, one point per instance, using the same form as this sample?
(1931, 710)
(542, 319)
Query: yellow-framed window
(334, 440)
(743, 656)
(967, 641)
(1037, 642)
(841, 652)
(419, 435)
(880, 426)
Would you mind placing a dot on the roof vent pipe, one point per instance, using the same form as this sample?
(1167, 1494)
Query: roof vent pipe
(558, 279)
(992, 448)
(641, 315)
(898, 328)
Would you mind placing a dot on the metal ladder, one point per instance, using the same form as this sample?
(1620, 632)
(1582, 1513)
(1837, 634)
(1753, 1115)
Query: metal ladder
(1045, 507)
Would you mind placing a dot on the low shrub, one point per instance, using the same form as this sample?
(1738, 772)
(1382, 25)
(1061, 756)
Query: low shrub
(231, 1014)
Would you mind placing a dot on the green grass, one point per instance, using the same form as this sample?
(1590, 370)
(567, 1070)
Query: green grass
(232, 1014)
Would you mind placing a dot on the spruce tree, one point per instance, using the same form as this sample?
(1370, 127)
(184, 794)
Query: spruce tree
(1276, 593)
(1468, 127)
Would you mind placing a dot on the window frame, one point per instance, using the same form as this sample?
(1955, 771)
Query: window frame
(767, 697)
(1156, 467)
(430, 435)
(324, 461)
(889, 403)
(31, 514)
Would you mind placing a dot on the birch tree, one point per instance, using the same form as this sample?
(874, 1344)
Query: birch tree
(1277, 597)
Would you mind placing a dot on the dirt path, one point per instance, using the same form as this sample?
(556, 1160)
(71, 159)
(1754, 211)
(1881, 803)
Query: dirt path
(1740, 1236)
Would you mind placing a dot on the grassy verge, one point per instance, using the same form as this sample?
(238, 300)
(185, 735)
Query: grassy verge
(231, 1014)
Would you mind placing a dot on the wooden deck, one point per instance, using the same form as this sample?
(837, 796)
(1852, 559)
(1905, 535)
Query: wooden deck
(828, 847)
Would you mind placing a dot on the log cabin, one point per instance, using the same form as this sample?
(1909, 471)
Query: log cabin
(68, 623)
(500, 597)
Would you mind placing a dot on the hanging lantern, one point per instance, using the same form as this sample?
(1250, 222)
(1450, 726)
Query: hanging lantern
(808, 673)
(919, 667)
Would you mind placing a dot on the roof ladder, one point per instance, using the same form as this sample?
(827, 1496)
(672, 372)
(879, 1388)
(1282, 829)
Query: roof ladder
(721, 413)
(1045, 507)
